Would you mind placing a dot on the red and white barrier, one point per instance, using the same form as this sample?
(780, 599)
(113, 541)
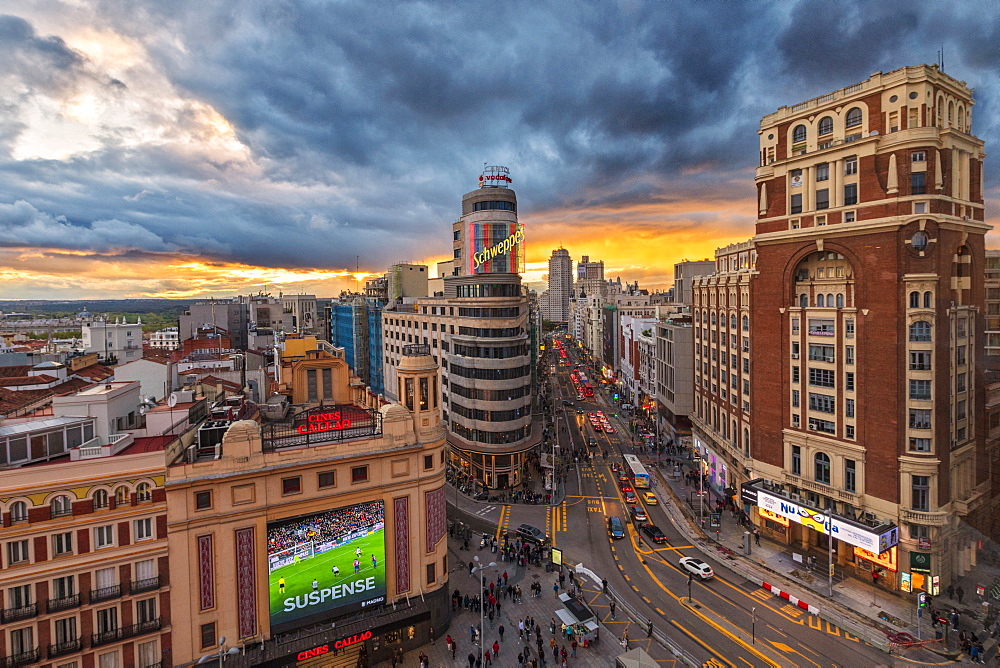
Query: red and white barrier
(811, 609)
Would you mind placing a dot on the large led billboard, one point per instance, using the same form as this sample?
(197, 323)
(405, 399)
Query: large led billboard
(497, 247)
(325, 564)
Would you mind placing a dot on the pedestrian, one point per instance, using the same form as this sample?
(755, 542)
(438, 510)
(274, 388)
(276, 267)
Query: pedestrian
(486, 659)
(555, 653)
(472, 634)
(649, 629)
(961, 593)
(472, 566)
(520, 660)
(500, 630)
(505, 578)
(431, 632)
(552, 625)
(472, 660)
(756, 536)
(496, 648)
(555, 589)
(573, 648)
(454, 649)
(954, 619)
(520, 628)
(951, 592)
(612, 609)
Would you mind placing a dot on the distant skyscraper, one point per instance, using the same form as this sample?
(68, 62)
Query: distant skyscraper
(590, 277)
(560, 286)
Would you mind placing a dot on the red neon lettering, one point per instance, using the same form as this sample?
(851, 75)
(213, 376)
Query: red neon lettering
(312, 427)
(314, 652)
(353, 640)
(324, 417)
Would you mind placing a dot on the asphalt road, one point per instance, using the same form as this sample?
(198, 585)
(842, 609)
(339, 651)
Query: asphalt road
(728, 621)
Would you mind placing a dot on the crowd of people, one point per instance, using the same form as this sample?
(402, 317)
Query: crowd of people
(325, 526)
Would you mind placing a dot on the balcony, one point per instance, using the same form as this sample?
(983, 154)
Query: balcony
(101, 447)
(939, 519)
(65, 603)
(64, 648)
(105, 593)
(22, 659)
(17, 614)
(123, 633)
(142, 586)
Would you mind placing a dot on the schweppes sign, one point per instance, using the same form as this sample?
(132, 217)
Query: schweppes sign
(501, 248)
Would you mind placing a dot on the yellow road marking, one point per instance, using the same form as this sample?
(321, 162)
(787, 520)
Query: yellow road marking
(646, 599)
(815, 622)
(786, 649)
(660, 611)
(777, 631)
(703, 644)
(502, 522)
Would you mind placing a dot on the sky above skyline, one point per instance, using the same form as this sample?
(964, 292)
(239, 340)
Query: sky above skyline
(189, 149)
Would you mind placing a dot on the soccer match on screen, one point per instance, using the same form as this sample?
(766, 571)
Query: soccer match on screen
(327, 561)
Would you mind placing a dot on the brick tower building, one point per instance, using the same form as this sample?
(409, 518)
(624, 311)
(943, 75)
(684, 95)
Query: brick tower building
(868, 327)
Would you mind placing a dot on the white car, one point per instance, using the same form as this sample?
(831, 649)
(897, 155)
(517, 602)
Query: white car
(697, 567)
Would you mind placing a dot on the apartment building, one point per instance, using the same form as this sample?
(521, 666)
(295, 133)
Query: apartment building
(867, 308)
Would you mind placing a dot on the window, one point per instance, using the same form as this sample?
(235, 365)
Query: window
(291, 485)
(145, 610)
(918, 156)
(850, 216)
(143, 492)
(746, 323)
(108, 660)
(920, 444)
(849, 381)
(920, 418)
(19, 511)
(914, 299)
(825, 125)
(795, 398)
(849, 431)
(825, 426)
(327, 479)
(17, 552)
(795, 374)
(920, 207)
(121, 496)
(853, 118)
(22, 641)
(821, 377)
(960, 383)
(850, 476)
(428, 462)
(850, 194)
(208, 635)
(928, 299)
(848, 354)
(823, 171)
(100, 499)
(203, 500)
(823, 403)
(107, 620)
(144, 529)
(821, 353)
(19, 596)
(799, 133)
(65, 630)
(918, 183)
(960, 355)
(921, 493)
(149, 654)
(960, 410)
(796, 460)
(359, 474)
(920, 360)
(105, 578)
(796, 203)
(822, 468)
(104, 536)
(61, 506)
(918, 531)
(849, 407)
(823, 198)
(920, 331)
(920, 389)
(64, 587)
(849, 328)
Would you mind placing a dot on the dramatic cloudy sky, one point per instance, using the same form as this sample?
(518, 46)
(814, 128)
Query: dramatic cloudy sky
(191, 148)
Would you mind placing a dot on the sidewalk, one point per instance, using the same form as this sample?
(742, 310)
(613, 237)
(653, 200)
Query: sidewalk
(542, 608)
(855, 605)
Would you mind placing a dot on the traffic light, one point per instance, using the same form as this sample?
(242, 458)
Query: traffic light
(874, 577)
(922, 600)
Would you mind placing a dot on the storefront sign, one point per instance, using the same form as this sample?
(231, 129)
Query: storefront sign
(905, 582)
(774, 517)
(849, 532)
(318, 422)
(556, 556)
(748, 493)
(887, 559)
(920, 562)
(935, 585)
(338, 645)
(924, 544)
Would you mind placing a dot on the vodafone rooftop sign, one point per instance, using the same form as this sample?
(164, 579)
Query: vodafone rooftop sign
(494, 176)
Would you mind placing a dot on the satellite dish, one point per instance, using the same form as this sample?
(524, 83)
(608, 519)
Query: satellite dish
(142, 409)
(172, 399)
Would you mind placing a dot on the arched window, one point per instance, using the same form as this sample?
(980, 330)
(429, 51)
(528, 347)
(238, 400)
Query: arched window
(732, 321)
(829, 300)
(920, 331)
(61, 506)
(914, 299)
(803, 300)
(840, 300)
(101, 498)
(697, 316)
(19, 511)
(143, 492)
(940, 112)
(121, 496)
(746, 323)
(853, 117)
(928, 297)
(746, 441)
(961, 118)
(713, 318)
(825, 125)
(822, 468)
(951, 114)
(820, 300)
(799, 133)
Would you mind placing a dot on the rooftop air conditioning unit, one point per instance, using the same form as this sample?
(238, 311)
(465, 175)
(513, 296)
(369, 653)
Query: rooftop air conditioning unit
(812, 427)
(795, 356)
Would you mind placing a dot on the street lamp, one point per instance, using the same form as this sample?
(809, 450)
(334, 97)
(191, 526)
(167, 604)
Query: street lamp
(482, 603)
(221, 655)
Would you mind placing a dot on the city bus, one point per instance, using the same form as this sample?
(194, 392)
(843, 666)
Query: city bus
(640, 479)
(585, 388)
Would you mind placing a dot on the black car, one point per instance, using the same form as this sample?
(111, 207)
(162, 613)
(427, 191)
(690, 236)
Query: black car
(569, 402)
(531, 534)
(654, 533)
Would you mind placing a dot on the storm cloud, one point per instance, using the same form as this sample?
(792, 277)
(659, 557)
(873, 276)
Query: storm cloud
(308, 134)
